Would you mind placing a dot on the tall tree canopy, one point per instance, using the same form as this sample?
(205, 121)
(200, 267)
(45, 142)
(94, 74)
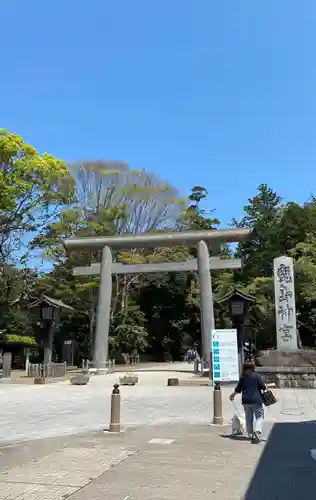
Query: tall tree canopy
(33, 189)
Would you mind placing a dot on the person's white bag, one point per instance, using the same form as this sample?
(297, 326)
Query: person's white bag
(238, 423)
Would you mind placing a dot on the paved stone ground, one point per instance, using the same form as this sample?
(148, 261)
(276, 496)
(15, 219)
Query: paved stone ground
(36, 412)
(190, 459)
(178, 462)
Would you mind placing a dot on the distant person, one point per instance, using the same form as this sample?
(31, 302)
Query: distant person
(190, 355)
(250, 386)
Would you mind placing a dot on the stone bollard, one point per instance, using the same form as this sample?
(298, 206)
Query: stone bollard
(80, 379)
(217, 405)
(6, 364)
(115, 417)
(39, 380)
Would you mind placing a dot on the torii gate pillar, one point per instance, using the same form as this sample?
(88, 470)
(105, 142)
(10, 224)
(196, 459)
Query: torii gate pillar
(206, 298)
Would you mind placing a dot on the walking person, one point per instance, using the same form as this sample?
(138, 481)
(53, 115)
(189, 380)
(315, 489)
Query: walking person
(251, 386)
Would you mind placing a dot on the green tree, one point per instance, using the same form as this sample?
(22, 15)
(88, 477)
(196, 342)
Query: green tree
(262, 215)
(304, 254)
(33, 188)
(195, 217)
(16, 287)
(198, 193)
(128, 330)
(296, 222)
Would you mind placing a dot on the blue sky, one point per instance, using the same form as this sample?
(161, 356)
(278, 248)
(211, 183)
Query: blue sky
(218, 93)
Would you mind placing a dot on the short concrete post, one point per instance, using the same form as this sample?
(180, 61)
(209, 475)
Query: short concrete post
(217, 405)
(115, 418)
(6, 364)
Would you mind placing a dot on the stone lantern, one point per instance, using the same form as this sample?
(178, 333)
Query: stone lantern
(238, 304)
(49, 310)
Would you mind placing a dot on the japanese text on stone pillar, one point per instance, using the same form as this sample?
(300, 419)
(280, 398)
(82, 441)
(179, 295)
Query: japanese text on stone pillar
(285, 303)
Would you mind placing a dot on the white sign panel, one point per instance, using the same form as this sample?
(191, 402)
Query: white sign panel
(225, 356)
(285, 313)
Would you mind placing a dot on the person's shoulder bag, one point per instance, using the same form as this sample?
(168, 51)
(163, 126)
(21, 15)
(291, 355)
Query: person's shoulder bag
(268, 397)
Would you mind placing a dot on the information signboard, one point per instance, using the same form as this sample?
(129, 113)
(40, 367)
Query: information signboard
(225, 356)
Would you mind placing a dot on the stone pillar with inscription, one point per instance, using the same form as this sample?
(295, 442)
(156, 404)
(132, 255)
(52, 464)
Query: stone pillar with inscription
(285, 311)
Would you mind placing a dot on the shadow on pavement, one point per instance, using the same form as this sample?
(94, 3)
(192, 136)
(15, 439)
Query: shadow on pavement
(285, 470)
(235, 438)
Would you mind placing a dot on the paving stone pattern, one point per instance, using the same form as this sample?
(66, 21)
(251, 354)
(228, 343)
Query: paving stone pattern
(169, 450)
(20, 491)
(59, 474)
(63, 409)
(177, 462)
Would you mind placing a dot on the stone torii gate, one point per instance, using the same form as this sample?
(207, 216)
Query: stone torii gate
(203, 264)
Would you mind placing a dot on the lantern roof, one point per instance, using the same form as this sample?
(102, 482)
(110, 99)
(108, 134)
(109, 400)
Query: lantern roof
(236, 294)
(50, 302)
